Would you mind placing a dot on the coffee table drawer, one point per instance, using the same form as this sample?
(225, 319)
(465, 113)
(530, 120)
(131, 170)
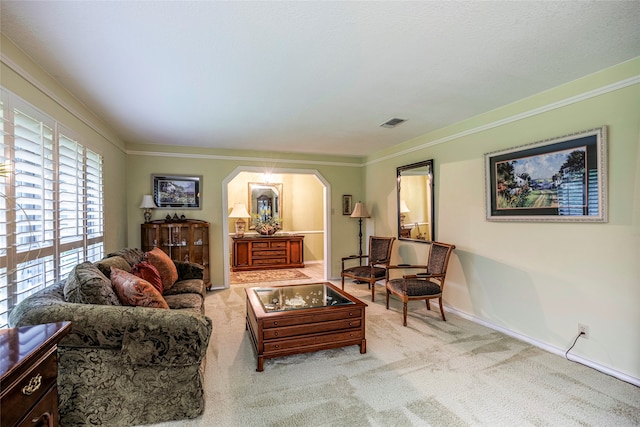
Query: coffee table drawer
(337, 314)
(309, 341)
(311, 328)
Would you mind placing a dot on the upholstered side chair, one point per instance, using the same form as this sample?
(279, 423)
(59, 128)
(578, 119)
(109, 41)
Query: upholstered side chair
(426, 285)
(375, 267)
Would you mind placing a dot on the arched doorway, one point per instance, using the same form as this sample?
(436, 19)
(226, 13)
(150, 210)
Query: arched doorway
(326, 212)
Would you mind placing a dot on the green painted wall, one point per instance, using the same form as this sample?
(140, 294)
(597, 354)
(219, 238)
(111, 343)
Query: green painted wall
(537, 279)
(344, 175)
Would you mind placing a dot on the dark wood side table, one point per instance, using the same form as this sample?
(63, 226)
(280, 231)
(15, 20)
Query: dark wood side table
(29, 370)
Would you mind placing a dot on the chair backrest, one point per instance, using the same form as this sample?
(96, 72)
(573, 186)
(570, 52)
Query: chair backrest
(439, 258)
(380, 249)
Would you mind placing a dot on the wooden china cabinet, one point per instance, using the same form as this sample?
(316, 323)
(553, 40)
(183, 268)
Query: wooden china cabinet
(186, 240)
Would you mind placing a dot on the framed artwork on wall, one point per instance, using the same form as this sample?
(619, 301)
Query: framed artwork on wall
(347, 207)
(561, 179)
(177, 191)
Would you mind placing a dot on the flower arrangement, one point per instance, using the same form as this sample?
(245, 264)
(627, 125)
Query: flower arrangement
(267, 224)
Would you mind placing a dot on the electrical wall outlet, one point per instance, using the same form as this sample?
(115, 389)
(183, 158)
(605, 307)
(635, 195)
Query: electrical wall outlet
(583, 330)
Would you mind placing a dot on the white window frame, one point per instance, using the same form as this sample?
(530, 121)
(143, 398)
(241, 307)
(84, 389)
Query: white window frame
(35, 252)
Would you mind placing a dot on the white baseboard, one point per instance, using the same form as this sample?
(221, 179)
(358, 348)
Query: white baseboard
(544, 346)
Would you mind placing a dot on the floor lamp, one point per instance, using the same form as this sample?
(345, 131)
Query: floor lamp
(360, 211)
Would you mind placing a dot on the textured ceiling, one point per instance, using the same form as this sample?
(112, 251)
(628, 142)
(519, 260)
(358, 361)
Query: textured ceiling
(312, 77)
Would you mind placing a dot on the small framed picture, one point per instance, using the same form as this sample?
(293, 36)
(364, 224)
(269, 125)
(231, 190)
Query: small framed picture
(177, 191)
(347, 207)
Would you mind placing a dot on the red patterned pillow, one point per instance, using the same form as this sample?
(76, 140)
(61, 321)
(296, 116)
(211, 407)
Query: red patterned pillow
(164, 265)
(148, 272)
(132, 290)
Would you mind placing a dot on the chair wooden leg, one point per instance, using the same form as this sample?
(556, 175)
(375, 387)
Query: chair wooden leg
(343, 283)
(388, 299)
(373, 291)
(404, 315)
(441, 309)
(428, 305)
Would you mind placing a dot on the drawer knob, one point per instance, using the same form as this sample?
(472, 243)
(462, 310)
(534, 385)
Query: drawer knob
(275, 323)
(276, 334)
(276, 346)
(350, 313)
(33, 386)
(350, 323)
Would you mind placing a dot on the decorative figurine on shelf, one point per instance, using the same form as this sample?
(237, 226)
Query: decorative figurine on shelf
(167, 218)
(182, 217)
(175, 217)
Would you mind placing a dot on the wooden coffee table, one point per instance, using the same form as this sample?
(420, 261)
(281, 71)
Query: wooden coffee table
(292, 319)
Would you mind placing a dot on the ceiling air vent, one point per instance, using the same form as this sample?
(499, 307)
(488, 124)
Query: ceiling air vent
(391, 123)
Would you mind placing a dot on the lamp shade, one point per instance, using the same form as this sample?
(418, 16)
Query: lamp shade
(360, 211)
(147, 202)
(403, 207)
(239, 211)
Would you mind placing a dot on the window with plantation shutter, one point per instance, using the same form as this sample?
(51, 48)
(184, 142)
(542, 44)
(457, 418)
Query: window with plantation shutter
(51, 195)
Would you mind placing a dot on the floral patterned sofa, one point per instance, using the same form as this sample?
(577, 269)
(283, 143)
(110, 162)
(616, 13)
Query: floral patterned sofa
(125, 364)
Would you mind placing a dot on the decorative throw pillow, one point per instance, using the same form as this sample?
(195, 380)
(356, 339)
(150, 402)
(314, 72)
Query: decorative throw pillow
(133, 290)
(104, 265)
(145, 270)
(87, 285)
(164, 264)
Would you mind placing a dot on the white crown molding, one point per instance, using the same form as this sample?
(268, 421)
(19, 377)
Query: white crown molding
(36, 83)
(240, 158)
(540, 110)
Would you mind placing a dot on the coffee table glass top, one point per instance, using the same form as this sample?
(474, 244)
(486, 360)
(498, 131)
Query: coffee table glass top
(296, 297)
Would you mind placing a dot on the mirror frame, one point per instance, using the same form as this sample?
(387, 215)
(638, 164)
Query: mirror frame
(264, 185)
(431, 215)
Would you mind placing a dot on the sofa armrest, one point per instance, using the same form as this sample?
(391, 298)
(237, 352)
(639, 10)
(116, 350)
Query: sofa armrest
(173, 338)
(189, 270)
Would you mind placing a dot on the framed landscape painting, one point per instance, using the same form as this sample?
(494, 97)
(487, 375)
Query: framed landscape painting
(560, 179)
(177, 191)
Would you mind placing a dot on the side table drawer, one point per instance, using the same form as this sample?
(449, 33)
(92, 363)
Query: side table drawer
(29, 389)
(45, 413)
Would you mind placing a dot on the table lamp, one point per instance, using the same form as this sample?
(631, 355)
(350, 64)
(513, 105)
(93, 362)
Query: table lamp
(239, 211)
(147, 204)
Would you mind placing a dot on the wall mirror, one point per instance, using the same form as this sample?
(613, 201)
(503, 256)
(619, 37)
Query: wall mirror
(265, 201)
(415, 202)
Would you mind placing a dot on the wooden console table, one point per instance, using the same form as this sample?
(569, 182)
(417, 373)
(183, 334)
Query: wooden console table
(260, 253)
(29, 369)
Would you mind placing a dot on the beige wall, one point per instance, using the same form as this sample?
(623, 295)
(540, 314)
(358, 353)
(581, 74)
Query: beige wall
(538, 280)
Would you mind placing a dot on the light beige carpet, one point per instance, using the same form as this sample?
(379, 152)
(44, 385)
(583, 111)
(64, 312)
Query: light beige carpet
(431, 373)
(261, 276)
